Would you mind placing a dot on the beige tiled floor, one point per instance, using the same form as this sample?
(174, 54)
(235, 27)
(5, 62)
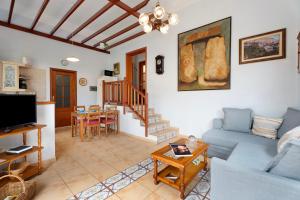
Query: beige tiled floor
(81, 165)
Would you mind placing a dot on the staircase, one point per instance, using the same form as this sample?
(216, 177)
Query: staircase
(134, 101)
(158, 128)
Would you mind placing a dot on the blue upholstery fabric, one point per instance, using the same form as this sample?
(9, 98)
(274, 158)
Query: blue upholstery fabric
(252, 155)
(218, 151)
(290, 120)
(230, 139)
(217, 123)
(232, 182)
(237, 120)
(289, 165)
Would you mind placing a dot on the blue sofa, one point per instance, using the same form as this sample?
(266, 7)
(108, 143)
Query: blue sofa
(238, 167)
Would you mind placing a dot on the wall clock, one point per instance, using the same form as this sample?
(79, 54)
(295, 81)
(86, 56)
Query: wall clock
(159, 63)
(82, 81)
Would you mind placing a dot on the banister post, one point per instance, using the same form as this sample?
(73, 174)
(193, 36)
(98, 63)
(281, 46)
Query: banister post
(103, 94)
(124, 95)
(146, 114)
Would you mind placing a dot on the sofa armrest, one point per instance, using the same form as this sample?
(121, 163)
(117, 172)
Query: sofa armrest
(217, 123)
(235, 183)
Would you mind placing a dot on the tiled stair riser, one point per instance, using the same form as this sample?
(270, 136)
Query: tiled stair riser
(157, 127)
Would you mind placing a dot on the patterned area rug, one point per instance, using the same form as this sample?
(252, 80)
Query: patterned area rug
(110, 186)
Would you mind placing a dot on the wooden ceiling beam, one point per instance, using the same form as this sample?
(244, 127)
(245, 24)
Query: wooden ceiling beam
(91, 19)
(126, 8)
(125, 30)
(114, 22)
(39, 14)
(11, 10)
(67, 15)
(126, 40)
(46, 35)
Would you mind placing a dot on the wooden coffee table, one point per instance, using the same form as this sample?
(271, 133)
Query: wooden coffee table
(183, 167)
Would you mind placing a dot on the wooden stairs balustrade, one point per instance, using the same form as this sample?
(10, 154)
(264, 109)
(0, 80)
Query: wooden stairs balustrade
(124, 94)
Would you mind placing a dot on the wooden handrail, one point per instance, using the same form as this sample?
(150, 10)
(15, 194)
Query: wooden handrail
(127, 95)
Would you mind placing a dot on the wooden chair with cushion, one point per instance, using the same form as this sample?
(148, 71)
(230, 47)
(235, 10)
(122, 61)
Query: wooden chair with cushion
(111, 107)
(110, 118)
(94, 108)
(76, 122)
(92, 123)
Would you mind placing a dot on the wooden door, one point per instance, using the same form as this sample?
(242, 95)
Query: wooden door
(142, 76)
(64, 93)
(129, 63)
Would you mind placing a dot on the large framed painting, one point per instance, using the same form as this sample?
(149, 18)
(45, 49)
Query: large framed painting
(10, 76)
(204, 57)
(263, 47)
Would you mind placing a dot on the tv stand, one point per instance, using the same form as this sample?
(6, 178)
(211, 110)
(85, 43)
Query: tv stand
(5, 158)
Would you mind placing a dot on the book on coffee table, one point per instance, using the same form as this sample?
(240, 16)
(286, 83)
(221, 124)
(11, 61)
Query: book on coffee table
(180, 150)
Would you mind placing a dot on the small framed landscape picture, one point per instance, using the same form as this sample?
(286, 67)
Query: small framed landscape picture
(116, 68)
(263, 47)
(10, 76)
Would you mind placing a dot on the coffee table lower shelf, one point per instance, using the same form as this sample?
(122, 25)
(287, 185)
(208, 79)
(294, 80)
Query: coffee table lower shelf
(190, 172)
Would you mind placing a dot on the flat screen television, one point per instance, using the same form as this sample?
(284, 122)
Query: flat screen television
(17, 110)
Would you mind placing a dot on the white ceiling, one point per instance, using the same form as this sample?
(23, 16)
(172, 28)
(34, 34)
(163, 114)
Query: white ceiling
(25, 12)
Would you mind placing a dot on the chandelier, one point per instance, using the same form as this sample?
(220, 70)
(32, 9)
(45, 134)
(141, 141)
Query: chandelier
(158, 20)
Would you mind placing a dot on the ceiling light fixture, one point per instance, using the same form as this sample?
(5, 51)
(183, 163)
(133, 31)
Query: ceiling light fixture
(158, 20)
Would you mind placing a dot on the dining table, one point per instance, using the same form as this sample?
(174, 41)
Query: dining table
(82, 115)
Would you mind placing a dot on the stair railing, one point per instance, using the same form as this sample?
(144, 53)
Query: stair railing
(125, 94)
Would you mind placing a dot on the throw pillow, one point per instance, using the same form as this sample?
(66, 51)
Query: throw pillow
(291, 135)
(289, 165)
(266, 127)
(290, 120)
(237, 120)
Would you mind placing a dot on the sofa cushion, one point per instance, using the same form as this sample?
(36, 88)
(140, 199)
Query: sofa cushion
(289, 165)
(290, 120)
(293, 134)
(230, 139)
(237, 120)
(253, 156)
(265, 126)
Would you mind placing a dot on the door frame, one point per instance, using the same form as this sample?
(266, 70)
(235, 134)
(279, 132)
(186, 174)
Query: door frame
(129, 70)
(51, 81)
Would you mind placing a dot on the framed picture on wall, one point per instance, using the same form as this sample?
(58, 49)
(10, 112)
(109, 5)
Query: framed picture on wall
(116, 68)
(10, 76)
(204, 61)
(263, 47)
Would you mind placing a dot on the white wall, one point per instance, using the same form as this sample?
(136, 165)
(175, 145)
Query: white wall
(266, 87)
(46, 53)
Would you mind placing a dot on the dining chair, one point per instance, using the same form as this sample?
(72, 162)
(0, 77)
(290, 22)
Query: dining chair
(110, 118)
(93, 108)
(92, 123)
(111, 107)
(75, 121)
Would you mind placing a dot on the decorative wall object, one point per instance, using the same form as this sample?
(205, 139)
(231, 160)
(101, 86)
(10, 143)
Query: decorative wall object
(204, 57)
(159, 62)
(116, 68)
(10, 76)
(263, 47)
(298, 52)
(93, 88)
(82, 81)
